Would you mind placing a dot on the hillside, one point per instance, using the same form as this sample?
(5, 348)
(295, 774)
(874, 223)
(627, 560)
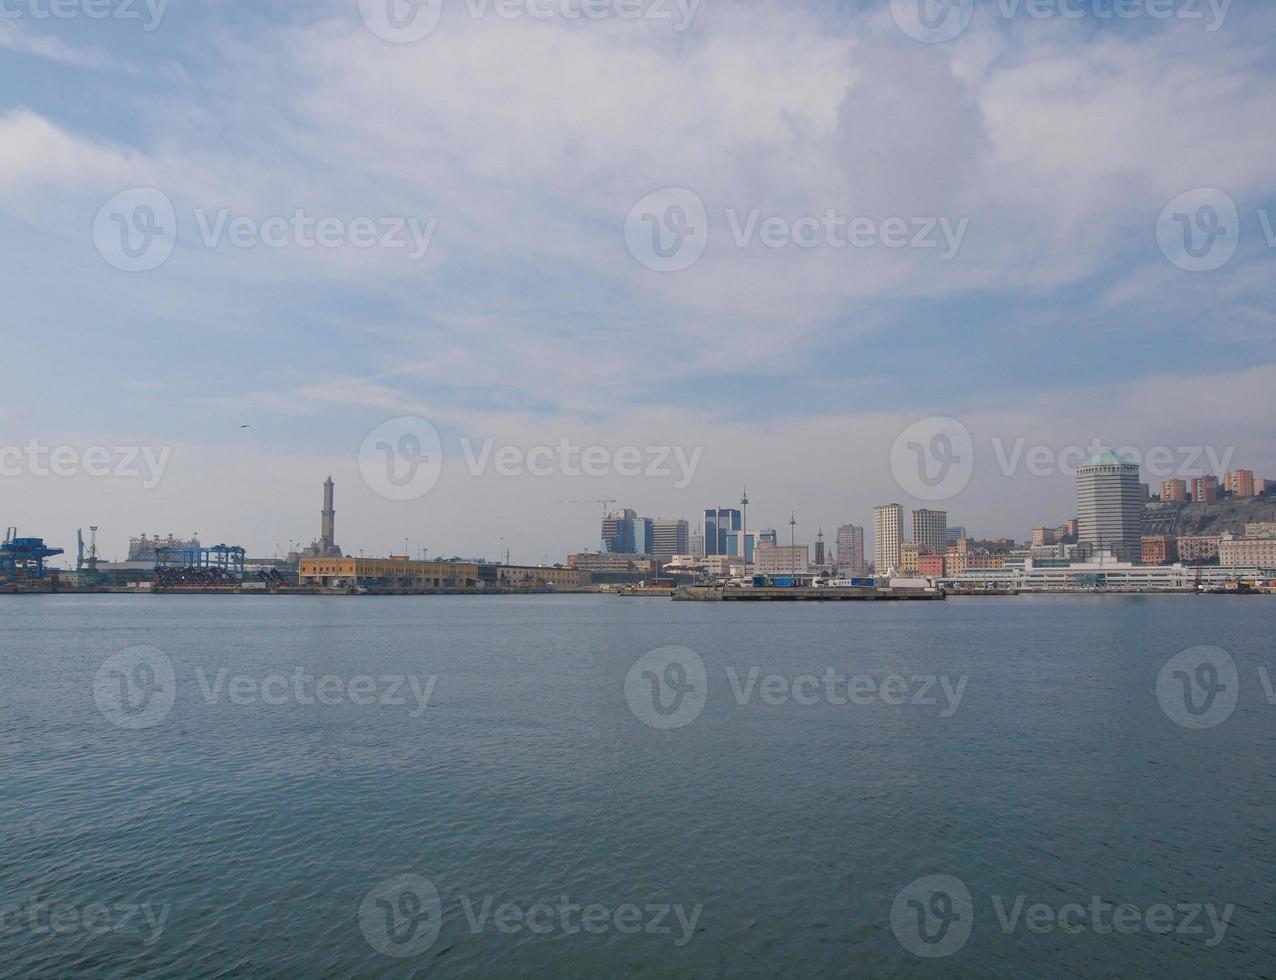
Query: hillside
(1185, 520)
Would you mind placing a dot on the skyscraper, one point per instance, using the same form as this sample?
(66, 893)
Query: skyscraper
(718, 522)
(930, 531)
(670, 536)
(618, 532)
(1109, 509)
(888, 532)
(850, 546)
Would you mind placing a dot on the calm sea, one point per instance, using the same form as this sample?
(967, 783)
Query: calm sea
(594, 786)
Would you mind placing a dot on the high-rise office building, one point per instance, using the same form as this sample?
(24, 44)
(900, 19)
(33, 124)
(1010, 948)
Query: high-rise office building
(614, 532)
(819, 548)
(741, 544)
(718, 522)
(955, 534)
(1109, 509)
(930, 531)
(850, 546)
(670, 536)
(888, 534)
(640, 533)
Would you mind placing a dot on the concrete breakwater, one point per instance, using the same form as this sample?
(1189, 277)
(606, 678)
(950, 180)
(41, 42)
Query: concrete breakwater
(803, 594)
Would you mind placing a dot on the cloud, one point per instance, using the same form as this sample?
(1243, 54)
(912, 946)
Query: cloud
(14, 37)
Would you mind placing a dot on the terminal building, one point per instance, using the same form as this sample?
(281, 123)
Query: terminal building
(393, 574)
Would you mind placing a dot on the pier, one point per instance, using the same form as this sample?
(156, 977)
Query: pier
(804, 594)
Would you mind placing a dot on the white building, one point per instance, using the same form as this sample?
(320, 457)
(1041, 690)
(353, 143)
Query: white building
(1110, 507)
(888, 533)
(1104, 573)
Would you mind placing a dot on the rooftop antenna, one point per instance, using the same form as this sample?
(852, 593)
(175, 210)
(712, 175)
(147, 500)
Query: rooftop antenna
(792, 546)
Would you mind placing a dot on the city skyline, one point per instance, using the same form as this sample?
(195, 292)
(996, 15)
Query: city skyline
(680, 529)
(1062, 316)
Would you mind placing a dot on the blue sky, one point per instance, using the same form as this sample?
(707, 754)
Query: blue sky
(528, 140)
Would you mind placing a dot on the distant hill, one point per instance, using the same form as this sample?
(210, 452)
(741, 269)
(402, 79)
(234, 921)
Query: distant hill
(1228, 515)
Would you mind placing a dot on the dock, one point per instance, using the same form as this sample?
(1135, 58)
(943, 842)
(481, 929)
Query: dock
(804, 594)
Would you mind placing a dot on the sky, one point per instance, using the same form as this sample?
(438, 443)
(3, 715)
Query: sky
(452, 251)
